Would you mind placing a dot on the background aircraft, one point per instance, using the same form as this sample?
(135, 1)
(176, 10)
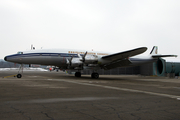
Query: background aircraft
(78, 60)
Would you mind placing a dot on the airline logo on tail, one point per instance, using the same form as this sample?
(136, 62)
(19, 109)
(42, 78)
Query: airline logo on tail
(154, 53)
(154, 50)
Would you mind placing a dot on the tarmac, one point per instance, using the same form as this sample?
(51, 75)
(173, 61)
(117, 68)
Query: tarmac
(44, 95)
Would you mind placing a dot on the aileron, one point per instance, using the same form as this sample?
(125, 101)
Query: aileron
(120, 63)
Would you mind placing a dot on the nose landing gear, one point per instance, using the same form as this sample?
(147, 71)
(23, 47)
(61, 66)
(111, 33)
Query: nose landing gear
(19, 75)
(20, 70)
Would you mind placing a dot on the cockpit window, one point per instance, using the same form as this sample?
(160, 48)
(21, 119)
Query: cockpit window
(19, 52)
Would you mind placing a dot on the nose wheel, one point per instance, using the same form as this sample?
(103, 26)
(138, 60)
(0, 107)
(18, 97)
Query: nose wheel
(19, 75)
(20, 70)
(95, 75)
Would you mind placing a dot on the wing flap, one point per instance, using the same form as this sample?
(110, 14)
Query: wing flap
(116, 64)
(125, 54)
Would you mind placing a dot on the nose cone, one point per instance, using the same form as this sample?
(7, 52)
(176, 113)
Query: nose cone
(5, 58)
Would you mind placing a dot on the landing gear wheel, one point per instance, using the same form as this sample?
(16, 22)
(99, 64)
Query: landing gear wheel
(19, 75)
(78, 74)
(95, 75)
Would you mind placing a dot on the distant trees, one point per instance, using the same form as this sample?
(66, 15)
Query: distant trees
(4, 64)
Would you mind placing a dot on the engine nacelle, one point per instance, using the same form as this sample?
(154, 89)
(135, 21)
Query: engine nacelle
(102, 61)
(74, 62)
(91, 59)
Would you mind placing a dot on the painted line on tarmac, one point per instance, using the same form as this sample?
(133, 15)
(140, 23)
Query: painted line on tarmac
(121, 89)
(10, 76)
(54, 100)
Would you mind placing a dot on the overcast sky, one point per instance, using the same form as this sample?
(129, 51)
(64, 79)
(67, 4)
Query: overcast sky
(101, 25)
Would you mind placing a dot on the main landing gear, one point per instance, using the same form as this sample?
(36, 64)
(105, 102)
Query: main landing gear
(93, 75)
(78, 74)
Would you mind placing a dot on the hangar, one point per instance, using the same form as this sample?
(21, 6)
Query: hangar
(159, 68)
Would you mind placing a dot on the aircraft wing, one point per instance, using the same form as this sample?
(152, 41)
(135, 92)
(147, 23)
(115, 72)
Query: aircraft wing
(119, 63)
(125, 54)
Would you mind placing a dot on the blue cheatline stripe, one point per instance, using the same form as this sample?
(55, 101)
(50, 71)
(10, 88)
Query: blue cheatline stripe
(44, 54)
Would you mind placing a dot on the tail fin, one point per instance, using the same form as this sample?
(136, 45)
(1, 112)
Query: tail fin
(154, 53)
(154, 50)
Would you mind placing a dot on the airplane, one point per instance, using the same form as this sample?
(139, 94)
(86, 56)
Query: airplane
(77, 60)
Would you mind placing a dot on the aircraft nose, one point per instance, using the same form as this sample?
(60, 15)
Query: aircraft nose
(5, 58)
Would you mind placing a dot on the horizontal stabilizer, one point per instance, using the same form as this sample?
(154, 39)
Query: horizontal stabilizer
(158, 56)
(154, 53)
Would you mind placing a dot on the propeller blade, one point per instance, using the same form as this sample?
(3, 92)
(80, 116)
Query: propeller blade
(83, 58)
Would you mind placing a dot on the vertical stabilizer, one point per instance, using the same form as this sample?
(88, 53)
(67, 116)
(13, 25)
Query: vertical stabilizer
(154, 53)
(154, 50)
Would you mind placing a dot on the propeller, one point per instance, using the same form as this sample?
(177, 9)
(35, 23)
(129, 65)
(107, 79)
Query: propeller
(76, 62)
(69, 61)
(83, 57)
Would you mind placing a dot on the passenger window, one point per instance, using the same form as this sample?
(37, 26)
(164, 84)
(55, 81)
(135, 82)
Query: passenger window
(20, 53)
